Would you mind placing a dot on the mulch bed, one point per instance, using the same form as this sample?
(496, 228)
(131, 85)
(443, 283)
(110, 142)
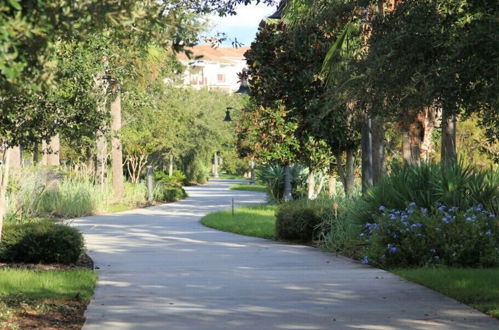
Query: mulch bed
(84, 261)
(48, 314)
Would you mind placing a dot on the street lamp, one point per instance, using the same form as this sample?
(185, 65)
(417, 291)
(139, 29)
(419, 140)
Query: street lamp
(227, 114)
(279, 11)
(243, 87)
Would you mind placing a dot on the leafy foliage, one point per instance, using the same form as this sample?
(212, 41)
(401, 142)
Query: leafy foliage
(168, 193)
(40, 243)
(427, 183)
(298, 220)
(177, 179)
(272, 175)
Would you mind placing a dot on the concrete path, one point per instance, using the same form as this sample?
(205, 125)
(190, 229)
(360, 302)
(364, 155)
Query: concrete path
(160, 269)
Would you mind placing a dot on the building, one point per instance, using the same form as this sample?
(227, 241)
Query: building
(214, 68)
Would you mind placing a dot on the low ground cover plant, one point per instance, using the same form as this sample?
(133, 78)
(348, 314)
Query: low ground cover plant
(419, 215)
(417, 236)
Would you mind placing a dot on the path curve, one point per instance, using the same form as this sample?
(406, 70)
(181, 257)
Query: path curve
(159, 268)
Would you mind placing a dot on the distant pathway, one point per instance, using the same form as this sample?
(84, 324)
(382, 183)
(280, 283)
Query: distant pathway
(159, 268)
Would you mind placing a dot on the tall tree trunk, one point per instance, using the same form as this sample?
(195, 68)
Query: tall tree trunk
(350, 176)
(53, 158)
(343, 170)
(331, 186)
(287, 183)
(448, 148)
(406, 145)
(36, 154)
(170, 166)
(378, 150)
(101, 159)
(431, 115)
(4, 181)
(412, 136)
(416, 137)
(331, 181)
(367, 155)
(90, 161)
(215, 165)
(51, 151)
(15, 160)
(45, 153)
(101, 85)
(252, 171)
(311, 184)
(116, 151)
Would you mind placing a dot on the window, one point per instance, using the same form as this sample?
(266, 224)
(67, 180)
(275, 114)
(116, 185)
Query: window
(220, 77)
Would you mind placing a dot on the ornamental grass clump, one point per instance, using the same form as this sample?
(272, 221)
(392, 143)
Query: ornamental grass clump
(458, 185)
(417, 236)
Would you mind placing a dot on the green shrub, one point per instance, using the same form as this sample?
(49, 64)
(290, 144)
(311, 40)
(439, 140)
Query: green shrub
(167, 193)
(40, 243)
(178, 178)
(417, 236)
(297, 220)
(195, 169)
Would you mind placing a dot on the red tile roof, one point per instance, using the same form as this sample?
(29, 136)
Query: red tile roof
(220, 55)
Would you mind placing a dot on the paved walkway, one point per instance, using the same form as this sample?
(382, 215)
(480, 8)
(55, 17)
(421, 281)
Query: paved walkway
(160, 269)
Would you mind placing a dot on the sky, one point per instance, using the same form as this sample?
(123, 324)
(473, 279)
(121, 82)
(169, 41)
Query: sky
(242, 26)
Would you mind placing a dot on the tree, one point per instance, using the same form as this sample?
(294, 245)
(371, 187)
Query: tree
(33, 33)
(272, 138)
(420, 58)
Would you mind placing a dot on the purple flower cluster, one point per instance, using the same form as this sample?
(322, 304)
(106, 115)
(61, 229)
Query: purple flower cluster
(473, 213)
(416, 235)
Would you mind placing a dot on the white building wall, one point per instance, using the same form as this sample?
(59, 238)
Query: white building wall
(214, 75)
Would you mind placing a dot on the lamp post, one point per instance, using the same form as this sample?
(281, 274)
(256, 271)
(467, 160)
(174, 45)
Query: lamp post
(244, 86)
(227, 114)
(215, 165)
(278, 13)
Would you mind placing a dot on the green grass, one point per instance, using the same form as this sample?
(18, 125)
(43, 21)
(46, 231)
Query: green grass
(256, 221)
(38, 284)
(231, 177)
(478, 288)
(249, 187)
(114, 208)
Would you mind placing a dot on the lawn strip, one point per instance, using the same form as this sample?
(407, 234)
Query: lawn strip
(256, 221)
(44, 299)
(249, 187)
(478, 288)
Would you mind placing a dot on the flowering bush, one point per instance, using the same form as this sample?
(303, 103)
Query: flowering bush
(446, 235)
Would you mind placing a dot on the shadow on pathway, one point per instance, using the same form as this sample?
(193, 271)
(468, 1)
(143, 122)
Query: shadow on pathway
(159, 268)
